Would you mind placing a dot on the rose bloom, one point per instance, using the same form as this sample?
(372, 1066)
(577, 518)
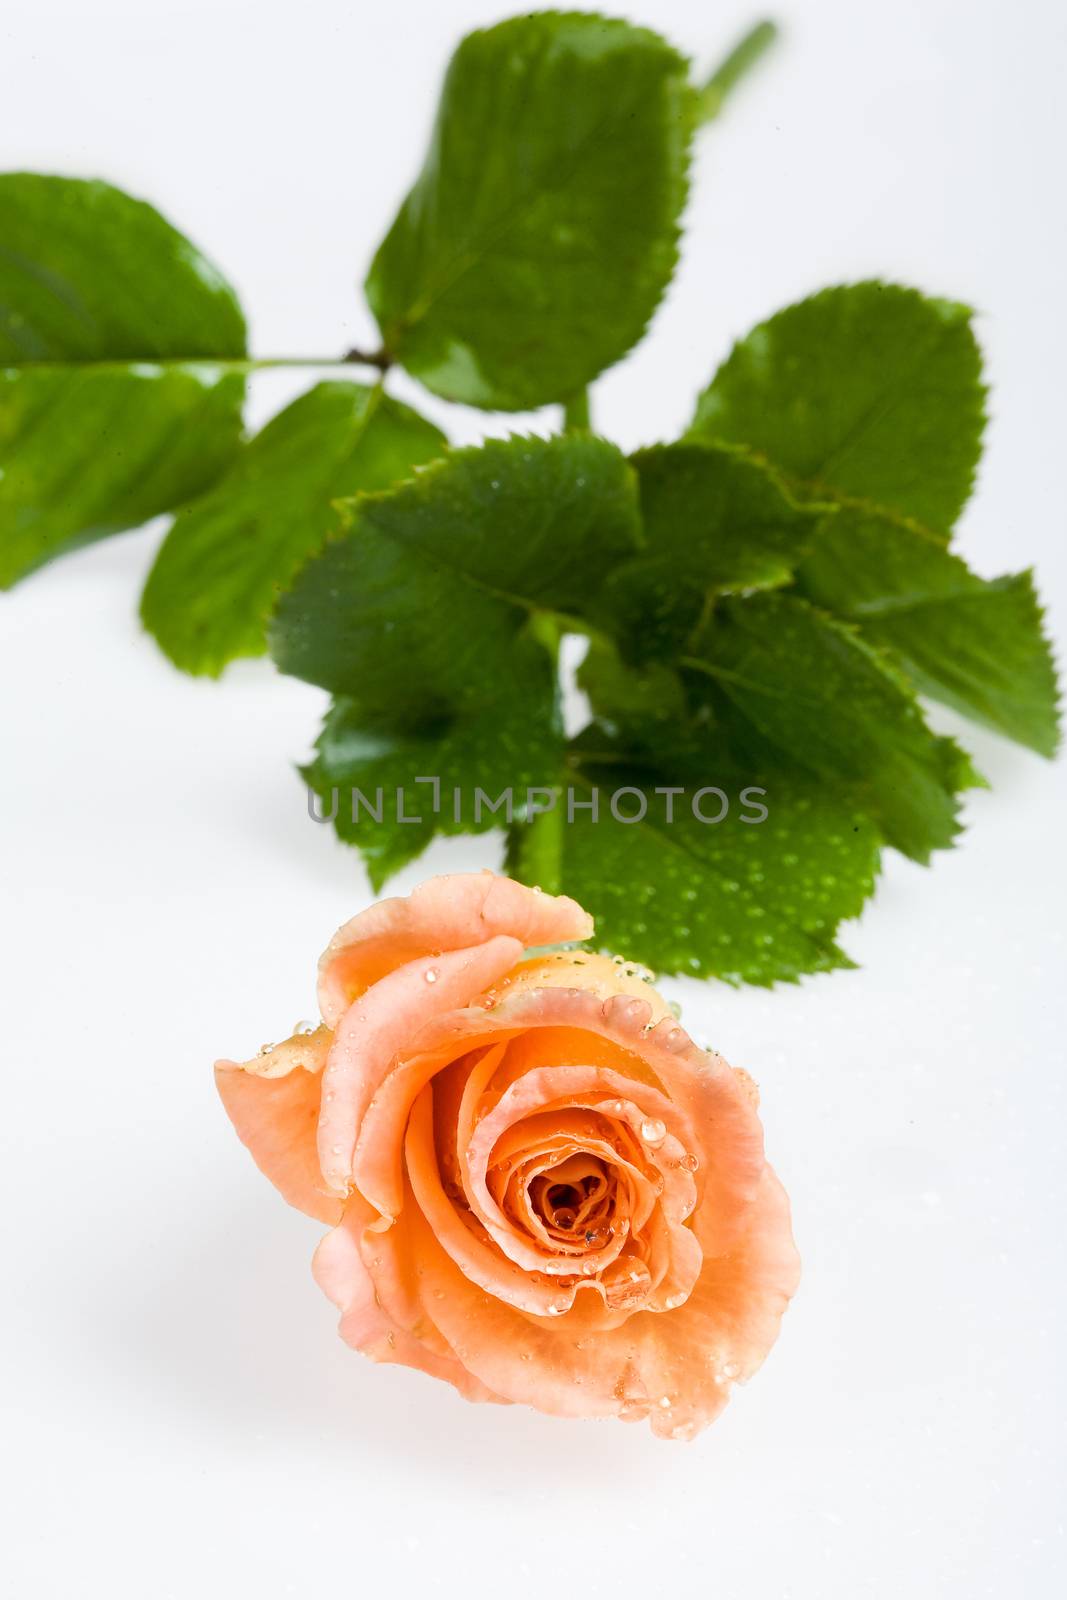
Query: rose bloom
(539, 1188)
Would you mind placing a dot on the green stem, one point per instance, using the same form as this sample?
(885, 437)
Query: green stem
(577, 416)
(264, 363)
(542, 850)
(351, 358)
(354, 358)
(742, 58)
(541, 840)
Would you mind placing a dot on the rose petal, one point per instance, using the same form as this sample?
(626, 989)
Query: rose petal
(521, 1108)
(446, 913)
(600, 976)
(675, 1368)
(453, 1040)
(365, 1301)
(377, 1027)
(707, 1104)
(273, 1102)
(479, 1260)
(716, 1102)
(520, 1113)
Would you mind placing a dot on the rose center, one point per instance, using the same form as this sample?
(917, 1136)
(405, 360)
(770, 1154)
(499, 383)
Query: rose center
(573, 1197)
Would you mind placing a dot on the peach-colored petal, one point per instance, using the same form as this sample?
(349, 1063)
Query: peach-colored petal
(598, 975)
(273, 1102)
(468, 1246)
(726, 1328)
(442, 1040)
(701, 1086)
(673, 1368)
(531, 1097)
(376, 1027)
(671, 1259)
(377, 1166)
(558, 1143)
(705, 1092)
(446, 913)
(410, 1339)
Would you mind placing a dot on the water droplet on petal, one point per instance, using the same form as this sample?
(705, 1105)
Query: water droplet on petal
(303, 1027)
(653, 1131)
(633, 1411)
(431, 974)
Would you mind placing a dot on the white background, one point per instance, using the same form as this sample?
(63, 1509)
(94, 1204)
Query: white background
(184, 1421)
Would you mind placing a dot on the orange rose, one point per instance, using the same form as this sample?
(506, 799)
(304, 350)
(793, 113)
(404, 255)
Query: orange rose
(540, 1188)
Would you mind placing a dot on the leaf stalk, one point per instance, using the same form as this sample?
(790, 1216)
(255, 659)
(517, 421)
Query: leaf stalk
(742, 58)
(577, 414)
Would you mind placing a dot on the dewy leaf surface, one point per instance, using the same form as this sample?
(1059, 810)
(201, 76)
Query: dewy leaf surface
(753, 897)
(111, 409)
(869, 392)
(812, 689)
(977, 645)
(227, 556)
(414, 611)
(542, 230)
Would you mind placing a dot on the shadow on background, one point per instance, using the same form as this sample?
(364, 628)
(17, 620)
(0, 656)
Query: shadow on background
(225, 1330)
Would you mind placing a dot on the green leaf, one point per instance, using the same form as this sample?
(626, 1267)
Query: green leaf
(415, 609)
(113, 405)
(715, 522)
(866, 393)
(542, 230)
(809, 687)
(227, 556)
(976, 645)
(755, 897)
(85, 453)
(390, 792)
(90, 274)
